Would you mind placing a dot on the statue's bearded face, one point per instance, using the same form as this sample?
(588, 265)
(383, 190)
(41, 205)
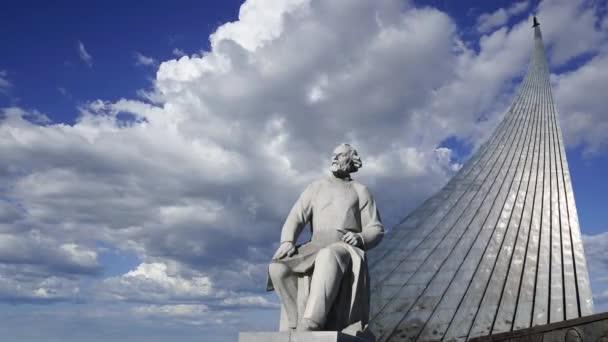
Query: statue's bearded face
(341, 160)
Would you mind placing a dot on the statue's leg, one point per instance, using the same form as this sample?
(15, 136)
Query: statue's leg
(285, 282)
(330, 265)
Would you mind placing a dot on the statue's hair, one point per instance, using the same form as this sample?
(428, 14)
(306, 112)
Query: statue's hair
(355, 160)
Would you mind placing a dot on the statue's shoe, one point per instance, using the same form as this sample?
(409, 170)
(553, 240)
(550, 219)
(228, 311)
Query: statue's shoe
(308, 325)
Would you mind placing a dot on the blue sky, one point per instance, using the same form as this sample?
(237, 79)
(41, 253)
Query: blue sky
(151, 152)
(41, 47)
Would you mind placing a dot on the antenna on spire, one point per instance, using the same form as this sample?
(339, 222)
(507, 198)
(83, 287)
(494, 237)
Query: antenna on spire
(535, 22)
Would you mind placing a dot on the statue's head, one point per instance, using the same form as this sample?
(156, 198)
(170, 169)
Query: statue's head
(345, 160)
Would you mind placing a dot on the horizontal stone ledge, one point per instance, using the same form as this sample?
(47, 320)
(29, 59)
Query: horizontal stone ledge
(590, 328)
(298, 336)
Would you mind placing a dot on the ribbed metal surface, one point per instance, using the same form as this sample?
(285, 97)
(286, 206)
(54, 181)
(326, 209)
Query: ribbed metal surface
(499, 247)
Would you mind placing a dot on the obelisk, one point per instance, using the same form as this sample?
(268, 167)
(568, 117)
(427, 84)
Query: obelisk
(499, 247)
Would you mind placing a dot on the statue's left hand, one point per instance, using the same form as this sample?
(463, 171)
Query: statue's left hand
(286, 248)
(353, 239)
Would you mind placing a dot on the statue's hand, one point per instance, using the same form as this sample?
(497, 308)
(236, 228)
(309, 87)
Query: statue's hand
(353, 239)
(286, 248)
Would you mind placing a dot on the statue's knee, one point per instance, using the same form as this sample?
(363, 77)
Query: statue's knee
(325, 255)
(278, 270)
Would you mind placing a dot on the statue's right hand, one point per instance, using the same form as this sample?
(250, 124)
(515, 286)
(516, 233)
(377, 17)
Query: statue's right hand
(286, 248)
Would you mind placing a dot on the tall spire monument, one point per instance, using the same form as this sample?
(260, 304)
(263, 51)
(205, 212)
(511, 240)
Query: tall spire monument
(499, 247)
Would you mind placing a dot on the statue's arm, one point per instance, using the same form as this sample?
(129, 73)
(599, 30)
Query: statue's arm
(371, 224)
(299, 216)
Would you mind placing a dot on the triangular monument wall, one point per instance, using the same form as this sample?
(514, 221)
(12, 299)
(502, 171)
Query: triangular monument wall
(499, 247)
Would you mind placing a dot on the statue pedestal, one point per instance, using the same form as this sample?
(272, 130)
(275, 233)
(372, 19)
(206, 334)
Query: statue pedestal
(296, 336)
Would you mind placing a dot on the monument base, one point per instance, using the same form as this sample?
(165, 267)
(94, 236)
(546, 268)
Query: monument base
(297, 336)
(589, 328)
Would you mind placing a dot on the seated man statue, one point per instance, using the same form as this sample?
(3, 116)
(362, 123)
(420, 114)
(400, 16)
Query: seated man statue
(323, 284)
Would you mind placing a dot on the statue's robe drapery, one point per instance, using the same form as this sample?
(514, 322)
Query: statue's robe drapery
(328, 205)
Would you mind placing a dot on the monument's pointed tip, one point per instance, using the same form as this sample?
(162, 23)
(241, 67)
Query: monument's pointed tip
(535, 22)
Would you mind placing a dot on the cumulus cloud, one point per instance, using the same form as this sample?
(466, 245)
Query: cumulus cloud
(84, 55)
(489, 21)
(580, 96)
(205, 178)
(144, 60)
(151, 282)
(581, 36)
(198, 180)
(33, 116)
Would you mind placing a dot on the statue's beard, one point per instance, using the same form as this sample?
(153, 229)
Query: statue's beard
(340, 169)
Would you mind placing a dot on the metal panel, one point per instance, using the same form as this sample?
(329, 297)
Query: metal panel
(495, 288)
(523, 316)
(541, 295)
(503, 321)
(556, 291)
(476, 288)
(580, 264)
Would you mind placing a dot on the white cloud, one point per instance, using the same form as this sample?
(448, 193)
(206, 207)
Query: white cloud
(597, 261)
(581, 35)
(259, 22)
(32, 116)
(178, 52)
(245, 301)
(144, 60)
(32, 248)
(5, 84)
(198, 181)
(580, 96)
(489, 21)
(518, 8)
(205, 178)
(84, 55)
(180, 310)
(22, 283)
(152, 282)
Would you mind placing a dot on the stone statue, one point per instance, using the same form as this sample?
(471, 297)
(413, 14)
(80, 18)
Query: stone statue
(323, 284)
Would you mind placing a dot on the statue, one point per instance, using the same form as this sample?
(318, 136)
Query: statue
(323, 284)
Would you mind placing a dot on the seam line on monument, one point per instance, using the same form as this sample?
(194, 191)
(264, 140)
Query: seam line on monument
(497, 195)
(517, 113)
(483, 224)
(492, 169)
(501, 132)
(495, 155)
(412, 249)
(540, 135)
(544, 133)
(561, 159)
(537, 112)
(475, 323)
(477, 158)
